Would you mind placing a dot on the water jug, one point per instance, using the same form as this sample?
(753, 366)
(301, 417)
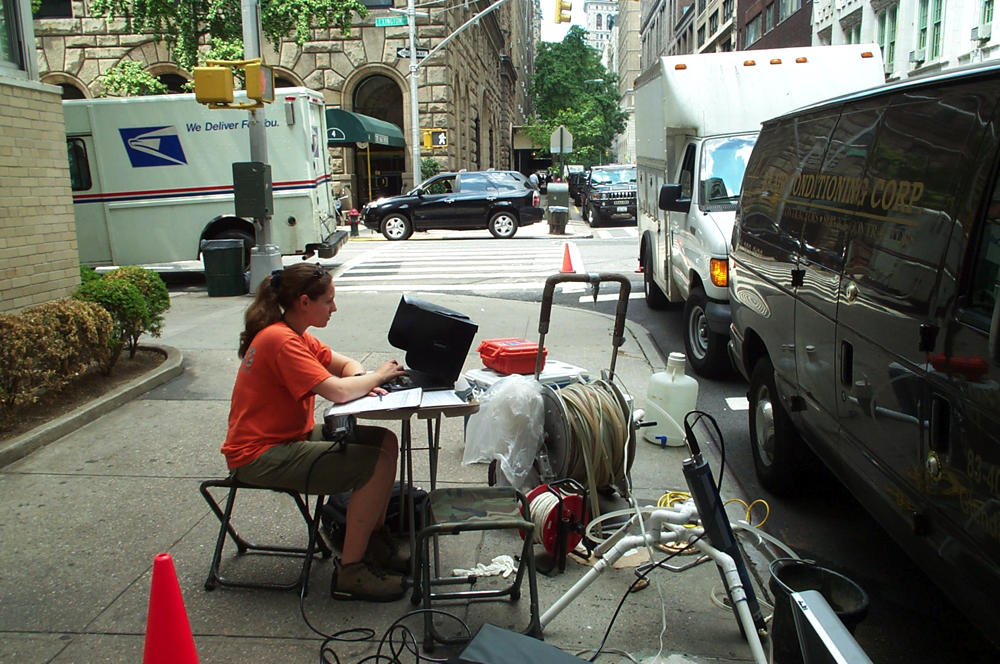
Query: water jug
(674, 393)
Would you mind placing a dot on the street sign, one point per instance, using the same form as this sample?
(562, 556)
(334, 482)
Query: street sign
(561, 141)
(403, 52)
(389, 21)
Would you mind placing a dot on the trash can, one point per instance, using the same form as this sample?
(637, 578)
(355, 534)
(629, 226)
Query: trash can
(224, 267)
(558, 217)
(847, 599)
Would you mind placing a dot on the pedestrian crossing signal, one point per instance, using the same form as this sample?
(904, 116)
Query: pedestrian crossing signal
(435, 138)
(563, 6)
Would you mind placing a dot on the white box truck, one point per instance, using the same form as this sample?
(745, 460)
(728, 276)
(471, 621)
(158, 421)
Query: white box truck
(152, 177)
(696, 119)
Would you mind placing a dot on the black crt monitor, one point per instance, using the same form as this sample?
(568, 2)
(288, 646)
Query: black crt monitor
(436, 339)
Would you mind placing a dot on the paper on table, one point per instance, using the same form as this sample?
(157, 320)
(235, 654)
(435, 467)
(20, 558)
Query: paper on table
(441, 399)
(390, 401)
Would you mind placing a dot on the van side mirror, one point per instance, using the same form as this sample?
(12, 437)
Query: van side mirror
(994, 340)
(672, 200)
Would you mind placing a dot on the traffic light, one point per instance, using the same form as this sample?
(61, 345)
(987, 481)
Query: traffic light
(260, 82)
(563, 6)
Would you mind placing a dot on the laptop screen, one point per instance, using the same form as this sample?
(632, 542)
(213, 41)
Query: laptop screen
(436, 339)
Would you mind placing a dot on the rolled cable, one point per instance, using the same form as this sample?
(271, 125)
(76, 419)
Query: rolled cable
(540, 508)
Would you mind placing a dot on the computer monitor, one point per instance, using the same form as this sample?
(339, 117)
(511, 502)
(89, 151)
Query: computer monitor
(436, 339)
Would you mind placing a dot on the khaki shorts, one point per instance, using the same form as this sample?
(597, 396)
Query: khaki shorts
(287, 466)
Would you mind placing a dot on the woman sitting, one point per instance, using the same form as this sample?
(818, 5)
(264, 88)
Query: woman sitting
(272, 441)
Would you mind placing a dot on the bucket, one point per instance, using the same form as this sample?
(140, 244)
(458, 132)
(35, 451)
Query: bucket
(674, 393)
(847, 599)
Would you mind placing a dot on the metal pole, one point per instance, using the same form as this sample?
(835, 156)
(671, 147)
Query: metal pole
(265, 257)
(411, 19)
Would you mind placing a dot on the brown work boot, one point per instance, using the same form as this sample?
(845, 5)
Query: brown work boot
(384, 548)
(366, 580)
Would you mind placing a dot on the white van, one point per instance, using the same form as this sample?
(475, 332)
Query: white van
(696, 120)
(152, 177)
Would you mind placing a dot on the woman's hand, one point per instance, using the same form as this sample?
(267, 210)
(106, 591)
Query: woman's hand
(389, 372)
(377, 392)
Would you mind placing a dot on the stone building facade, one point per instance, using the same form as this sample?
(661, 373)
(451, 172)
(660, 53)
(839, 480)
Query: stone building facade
(475, 88)
(38, 257)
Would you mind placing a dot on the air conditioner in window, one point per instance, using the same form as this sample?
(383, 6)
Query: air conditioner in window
(918, 56)
(982, 32)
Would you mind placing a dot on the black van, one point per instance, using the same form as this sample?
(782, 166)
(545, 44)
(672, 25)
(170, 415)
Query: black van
(863, 281)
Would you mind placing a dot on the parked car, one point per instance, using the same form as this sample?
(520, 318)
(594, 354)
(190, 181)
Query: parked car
(609, 193)
(865, 314)
(576, 181)
(500, 201)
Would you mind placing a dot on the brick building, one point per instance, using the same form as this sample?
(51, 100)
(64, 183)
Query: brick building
(38, 257)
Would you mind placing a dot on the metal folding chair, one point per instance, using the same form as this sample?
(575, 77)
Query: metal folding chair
(316, 542)
(456, 510)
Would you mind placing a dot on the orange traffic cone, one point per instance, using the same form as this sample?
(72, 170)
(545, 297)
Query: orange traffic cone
(567, 265)
(168, 632)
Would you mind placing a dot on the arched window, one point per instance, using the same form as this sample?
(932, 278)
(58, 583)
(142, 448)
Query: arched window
(70, 91)
(600, 21)
(174, 82)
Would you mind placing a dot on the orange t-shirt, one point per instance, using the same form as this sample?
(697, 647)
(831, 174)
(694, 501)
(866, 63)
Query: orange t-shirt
(273, 400)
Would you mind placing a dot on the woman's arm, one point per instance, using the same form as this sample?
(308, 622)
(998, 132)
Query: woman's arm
(343, 389)
(343, 366)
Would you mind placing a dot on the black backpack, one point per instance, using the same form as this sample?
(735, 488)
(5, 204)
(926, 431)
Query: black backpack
(334, 512)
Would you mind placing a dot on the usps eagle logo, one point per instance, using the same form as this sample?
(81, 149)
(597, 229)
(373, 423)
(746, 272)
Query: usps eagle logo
(153, 146)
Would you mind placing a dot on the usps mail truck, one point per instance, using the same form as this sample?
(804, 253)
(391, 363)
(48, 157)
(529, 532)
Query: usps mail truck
(152, 177)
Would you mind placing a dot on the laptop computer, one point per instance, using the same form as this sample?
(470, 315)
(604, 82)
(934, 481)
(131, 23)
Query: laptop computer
(436, 340)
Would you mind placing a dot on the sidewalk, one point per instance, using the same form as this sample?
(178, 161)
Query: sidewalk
(85, 515)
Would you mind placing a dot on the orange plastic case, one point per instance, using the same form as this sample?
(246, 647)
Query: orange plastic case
(510, 356)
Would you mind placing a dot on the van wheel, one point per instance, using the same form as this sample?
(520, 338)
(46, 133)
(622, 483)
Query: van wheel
(706, 350)
(777, 447)
(249, 242)
(655, 299)
(396, 227)
(503, 225)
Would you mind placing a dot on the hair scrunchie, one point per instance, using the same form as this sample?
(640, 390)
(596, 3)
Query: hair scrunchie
(276, 280)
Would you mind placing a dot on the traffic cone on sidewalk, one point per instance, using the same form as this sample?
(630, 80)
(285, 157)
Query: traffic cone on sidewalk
(567, 265)
(168, 632)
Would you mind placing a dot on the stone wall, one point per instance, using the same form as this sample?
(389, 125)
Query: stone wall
(38, 254)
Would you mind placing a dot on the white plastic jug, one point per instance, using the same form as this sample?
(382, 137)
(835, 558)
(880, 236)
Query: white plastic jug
(674, 393)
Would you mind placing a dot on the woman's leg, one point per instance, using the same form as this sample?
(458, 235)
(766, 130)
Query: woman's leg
(368, 505)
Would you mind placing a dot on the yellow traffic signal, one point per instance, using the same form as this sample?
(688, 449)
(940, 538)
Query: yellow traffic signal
(213, 85)
(260, 82)
(563, 6)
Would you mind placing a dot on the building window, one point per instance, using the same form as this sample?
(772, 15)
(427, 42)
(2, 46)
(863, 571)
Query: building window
(887, 36)
(10, 48)
(769, 18)
(727, 10)
(922, 24)
(788, 7)
(701, 6)
(55, 9)
(936, 29)
(713, 23)
(987, 15)
(852, 35)
(753, 30)
(600, 22)
(701, 36)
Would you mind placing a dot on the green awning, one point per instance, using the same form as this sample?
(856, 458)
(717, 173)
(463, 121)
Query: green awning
(346, 128)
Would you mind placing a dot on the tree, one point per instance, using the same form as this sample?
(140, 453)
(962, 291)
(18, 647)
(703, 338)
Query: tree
(187, 24)
(572, 88)
(129, 79)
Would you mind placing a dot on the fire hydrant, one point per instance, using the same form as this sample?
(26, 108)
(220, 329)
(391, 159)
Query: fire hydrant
(353, 217)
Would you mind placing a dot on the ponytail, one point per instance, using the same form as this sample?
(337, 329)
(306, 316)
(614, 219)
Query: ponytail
(276, 293)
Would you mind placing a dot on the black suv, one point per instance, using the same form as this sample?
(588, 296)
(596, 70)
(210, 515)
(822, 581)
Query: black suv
(609, 193)
(576, 182)
(500, 201)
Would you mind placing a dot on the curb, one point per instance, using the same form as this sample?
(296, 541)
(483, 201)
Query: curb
(25, 444)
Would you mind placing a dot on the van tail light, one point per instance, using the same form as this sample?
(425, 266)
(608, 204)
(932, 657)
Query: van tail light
(535, 200)
(719, 272)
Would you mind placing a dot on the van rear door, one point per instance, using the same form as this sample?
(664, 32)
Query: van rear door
(89, 208)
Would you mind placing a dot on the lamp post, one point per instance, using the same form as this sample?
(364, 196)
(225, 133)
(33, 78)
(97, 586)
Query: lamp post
(411, 21)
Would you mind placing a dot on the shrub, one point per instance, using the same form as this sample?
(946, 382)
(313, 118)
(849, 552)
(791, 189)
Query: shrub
(88, 274)
(154, 292)
(126, 305)
(45, 347)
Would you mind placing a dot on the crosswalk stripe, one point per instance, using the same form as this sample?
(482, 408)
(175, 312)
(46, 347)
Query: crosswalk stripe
(446, 275)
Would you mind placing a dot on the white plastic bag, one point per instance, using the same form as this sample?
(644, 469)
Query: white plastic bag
(508, 427)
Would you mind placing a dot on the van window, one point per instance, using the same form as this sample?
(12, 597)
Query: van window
(687, 172)
(926, 147)
(79, 165)
(986, 271)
